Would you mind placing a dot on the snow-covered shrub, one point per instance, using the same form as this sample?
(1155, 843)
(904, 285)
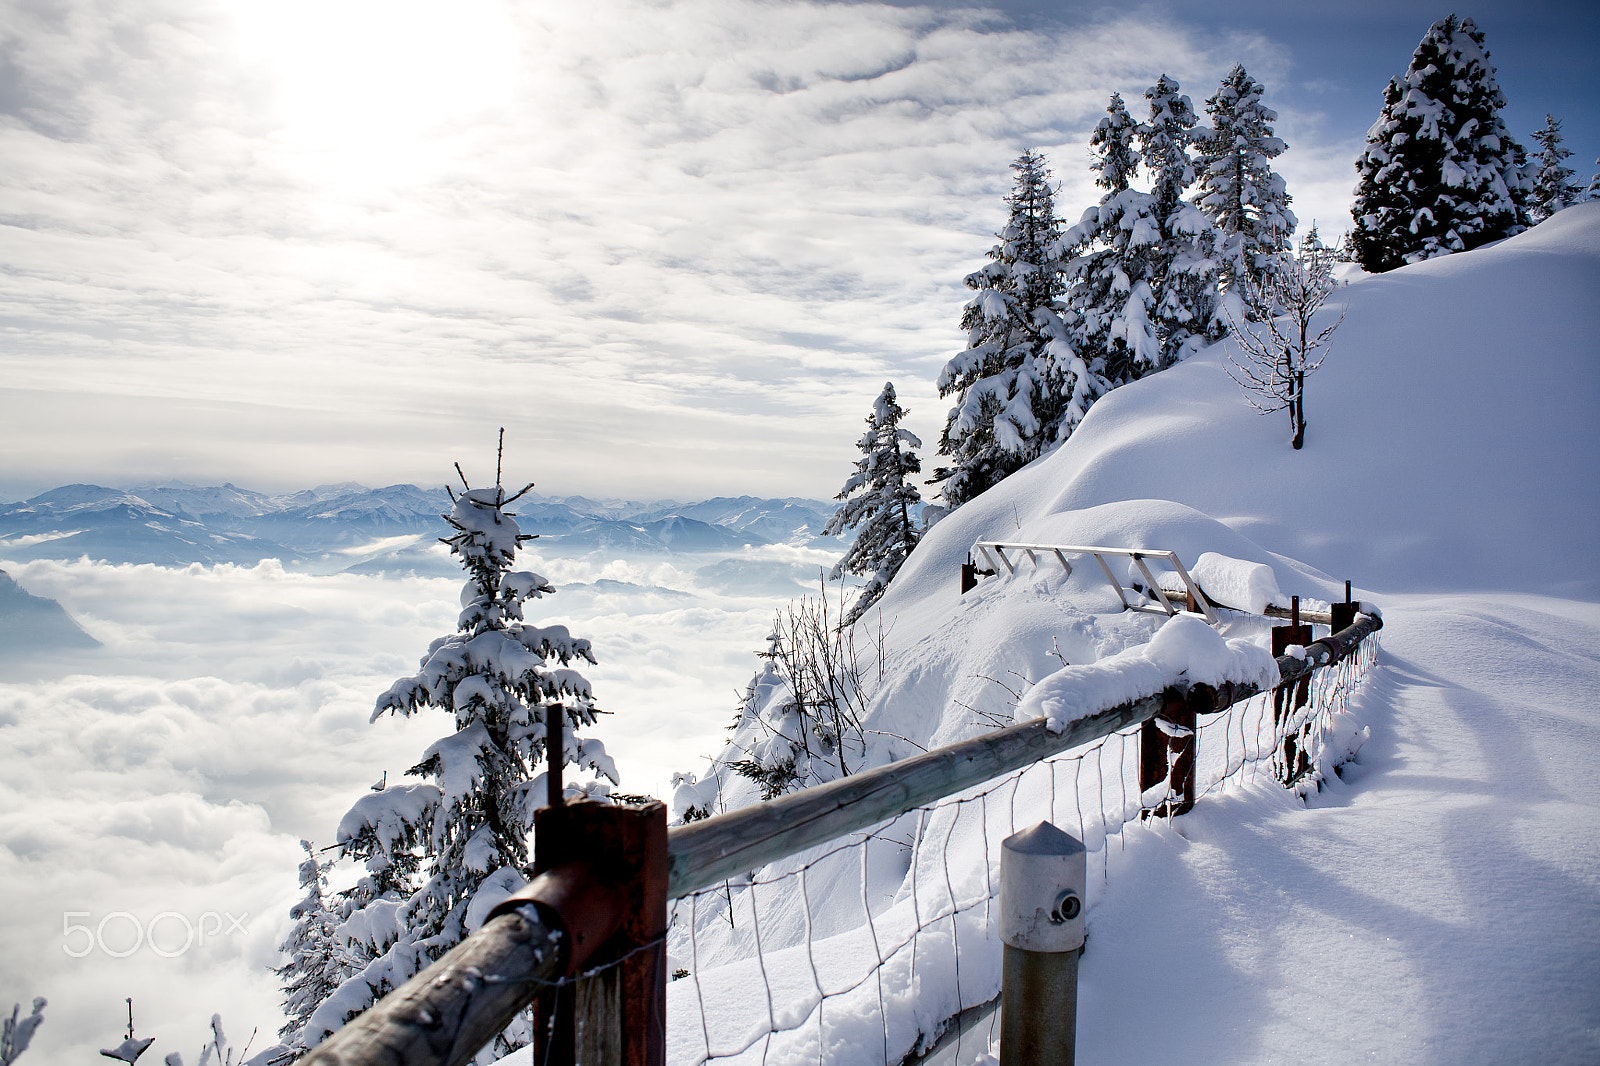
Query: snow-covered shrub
(17, 1032)
(217, 1051)
(799, 723)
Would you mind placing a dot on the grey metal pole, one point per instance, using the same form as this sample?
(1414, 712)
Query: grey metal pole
(1043, 875)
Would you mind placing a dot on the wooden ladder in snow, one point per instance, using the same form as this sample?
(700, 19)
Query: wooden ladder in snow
(1194, 603)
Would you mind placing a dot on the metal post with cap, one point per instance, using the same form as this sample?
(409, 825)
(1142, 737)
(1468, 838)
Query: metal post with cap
(1043, 877)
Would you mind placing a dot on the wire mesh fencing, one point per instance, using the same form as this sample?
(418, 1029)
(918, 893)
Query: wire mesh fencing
(869, 948)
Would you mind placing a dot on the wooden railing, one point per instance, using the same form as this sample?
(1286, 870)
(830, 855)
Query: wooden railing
(583, 942)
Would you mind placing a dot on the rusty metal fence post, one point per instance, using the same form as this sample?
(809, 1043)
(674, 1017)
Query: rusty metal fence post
(1292, 760)
(1167, 749)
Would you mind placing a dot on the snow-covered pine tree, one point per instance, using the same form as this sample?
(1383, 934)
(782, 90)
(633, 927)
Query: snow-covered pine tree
(1316, 257)
(881, 498)
(1112, 284)
(1593, 191)
(1553, 187)
(1009, 381)
(1237, 189)
(316, 966)
(1184, 265)
(471, 815)
(1440, 174)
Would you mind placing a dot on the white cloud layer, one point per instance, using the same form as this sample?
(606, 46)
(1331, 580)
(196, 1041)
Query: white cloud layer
(226, 717)
(671, 246)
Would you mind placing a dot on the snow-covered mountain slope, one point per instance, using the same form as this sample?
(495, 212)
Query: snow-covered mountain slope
(36, 628)
(1449, 471)
(1452, 441)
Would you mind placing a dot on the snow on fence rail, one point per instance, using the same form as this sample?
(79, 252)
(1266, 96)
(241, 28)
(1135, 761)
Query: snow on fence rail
(902, 943)
(783, 983)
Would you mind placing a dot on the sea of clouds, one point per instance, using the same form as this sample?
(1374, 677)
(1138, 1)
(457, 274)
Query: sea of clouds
(154, 790)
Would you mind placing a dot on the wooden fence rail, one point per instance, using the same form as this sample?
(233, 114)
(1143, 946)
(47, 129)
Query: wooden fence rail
(727, 845)
(577, 911)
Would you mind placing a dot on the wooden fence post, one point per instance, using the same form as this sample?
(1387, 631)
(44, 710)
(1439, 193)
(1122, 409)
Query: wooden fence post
(1167, 745)
(1292, 759)
(1043, 875)
(618, 1005)
(1344, 614)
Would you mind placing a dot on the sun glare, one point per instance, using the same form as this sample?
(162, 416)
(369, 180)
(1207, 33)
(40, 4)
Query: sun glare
(372, 91)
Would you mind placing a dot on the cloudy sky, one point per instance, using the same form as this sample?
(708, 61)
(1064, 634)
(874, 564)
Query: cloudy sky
(674, 246)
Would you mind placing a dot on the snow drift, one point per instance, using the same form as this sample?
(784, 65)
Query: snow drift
(1451, 445)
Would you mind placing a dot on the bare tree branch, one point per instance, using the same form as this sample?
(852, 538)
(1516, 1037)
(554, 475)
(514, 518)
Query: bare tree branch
(1280, 349)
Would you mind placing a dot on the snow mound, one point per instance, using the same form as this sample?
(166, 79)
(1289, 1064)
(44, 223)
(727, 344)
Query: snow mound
(1184, 649)
(1237, 583)
(1451, 441)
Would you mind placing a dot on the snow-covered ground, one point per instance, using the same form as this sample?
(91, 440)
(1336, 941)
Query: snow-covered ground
(1441, 902)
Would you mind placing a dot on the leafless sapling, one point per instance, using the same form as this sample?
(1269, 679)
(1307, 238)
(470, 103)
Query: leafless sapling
(1280, 350)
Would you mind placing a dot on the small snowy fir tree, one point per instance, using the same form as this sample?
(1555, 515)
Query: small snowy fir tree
(880, 497)
(1112, 279)
(316, 966)
(1183, 261)
(1010, 382)
(1315, 256)
(1238, 191)
(17, 1033)
(471, 815)
(1593, 191)
(1440, 174)
(1553, 187)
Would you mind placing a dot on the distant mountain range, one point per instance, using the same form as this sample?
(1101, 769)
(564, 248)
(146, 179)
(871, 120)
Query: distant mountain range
(351, 527)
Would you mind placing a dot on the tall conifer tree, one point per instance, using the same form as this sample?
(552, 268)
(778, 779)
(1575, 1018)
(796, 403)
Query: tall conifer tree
(1553, 187)
(471, 813)
(1183, 260)
(316, 965)
(881, 498)
(1440, 174)
(1008, 381)
(1237, 189)
(1112, 272)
